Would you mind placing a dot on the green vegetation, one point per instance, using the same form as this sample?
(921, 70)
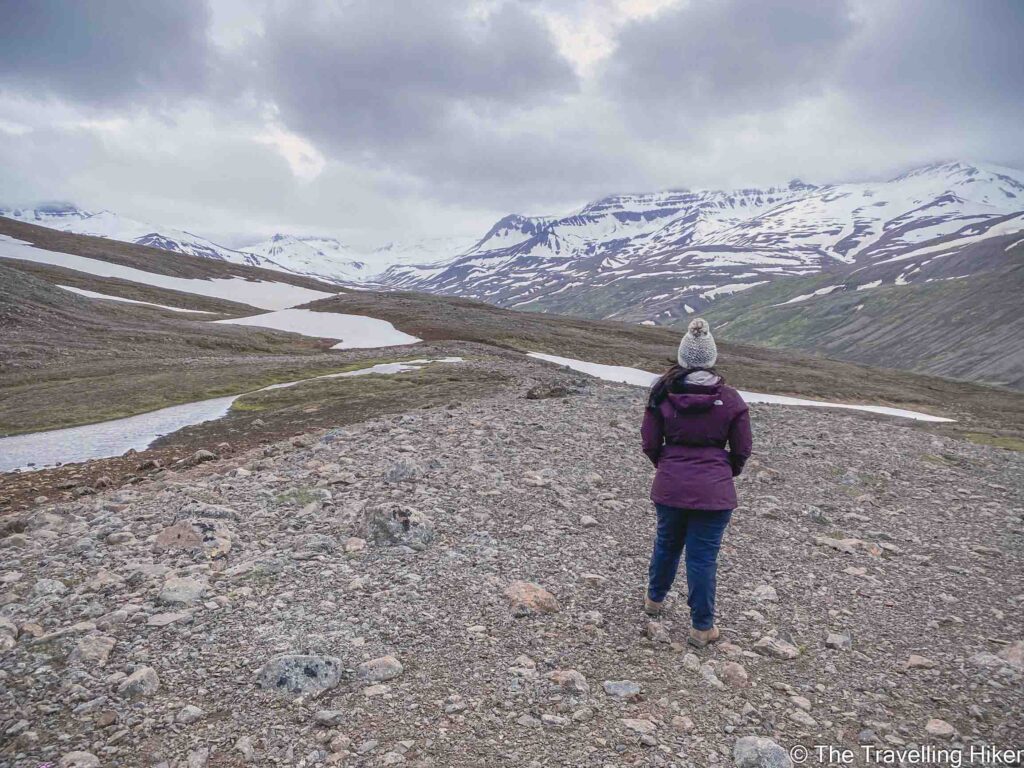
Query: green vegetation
(1007, 442)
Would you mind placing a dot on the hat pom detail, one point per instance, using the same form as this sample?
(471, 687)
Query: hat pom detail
(699, 327)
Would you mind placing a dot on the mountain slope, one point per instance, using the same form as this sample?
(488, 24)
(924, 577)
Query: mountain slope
(659, 257)
(68, 218)
(960, 316)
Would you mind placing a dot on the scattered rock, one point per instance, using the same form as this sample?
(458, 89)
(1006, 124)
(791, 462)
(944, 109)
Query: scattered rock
(394, 524)
(201, 456)
(940, 729)
(734, 674)
(329, 717)
(79, 760)
(181, 591)
(766, 593)
(527, 598)
(211, 538)
(545, 391)
(776, 648)
(92, 650)
(142, 682)
(919, 662)
(839, 641)
(622, 689)
(379, 670)
(758, 752)
(641, 726)
(570, 681)
(403, 471)
(189, 714)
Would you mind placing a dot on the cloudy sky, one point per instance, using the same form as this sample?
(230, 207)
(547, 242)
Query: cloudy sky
(381, 119)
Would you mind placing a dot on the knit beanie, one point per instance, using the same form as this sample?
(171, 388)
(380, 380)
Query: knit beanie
(697, 349)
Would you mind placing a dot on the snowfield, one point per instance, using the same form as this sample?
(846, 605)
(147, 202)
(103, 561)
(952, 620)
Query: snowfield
(107, 297)
(353, 331)
(640, 378)
(256, 293)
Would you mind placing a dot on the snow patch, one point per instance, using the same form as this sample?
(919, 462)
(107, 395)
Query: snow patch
(640, 378)
(94, 295)
(353, 331)
(804, 297)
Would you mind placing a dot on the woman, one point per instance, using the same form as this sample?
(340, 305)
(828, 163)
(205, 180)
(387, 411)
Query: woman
(691, 417)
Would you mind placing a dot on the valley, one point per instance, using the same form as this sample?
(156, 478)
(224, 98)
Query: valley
(931, 252)
(437, 506)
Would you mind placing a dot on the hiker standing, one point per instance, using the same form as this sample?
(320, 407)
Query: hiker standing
(696, 431)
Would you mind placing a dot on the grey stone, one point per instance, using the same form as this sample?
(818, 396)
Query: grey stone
(395, 524)
(299, 673)
(142, 682)
(758, 752)
(181, 591)
(622, 689)
(776, 648)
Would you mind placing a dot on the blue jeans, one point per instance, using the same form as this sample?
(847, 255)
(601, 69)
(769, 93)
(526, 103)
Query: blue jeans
(700, 533)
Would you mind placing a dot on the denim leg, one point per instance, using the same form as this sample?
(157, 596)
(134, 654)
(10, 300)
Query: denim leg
(668, 546)
(704, 531)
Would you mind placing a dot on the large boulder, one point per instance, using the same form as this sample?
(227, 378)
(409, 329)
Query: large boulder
(395, 524)
(300, 673)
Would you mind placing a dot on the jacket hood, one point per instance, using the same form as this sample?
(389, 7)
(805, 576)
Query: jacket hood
(695, 400)
(682, 383)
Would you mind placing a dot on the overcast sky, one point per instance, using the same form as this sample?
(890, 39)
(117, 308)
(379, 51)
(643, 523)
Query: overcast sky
(378, 119)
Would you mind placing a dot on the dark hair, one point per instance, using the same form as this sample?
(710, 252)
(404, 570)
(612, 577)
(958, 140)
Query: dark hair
(671, 379)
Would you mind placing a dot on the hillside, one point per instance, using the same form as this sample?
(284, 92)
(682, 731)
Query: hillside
(365, 596)
(966, 325)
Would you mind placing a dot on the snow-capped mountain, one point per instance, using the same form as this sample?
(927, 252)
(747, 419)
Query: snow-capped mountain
(69, 218)
(660, 256)
(329, 259)
(321, 257)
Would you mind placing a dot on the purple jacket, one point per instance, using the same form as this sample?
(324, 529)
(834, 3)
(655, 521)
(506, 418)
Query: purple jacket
(685, 432)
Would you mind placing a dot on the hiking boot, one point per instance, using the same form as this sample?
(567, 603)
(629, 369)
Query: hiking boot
(653, 607)
(700, 638)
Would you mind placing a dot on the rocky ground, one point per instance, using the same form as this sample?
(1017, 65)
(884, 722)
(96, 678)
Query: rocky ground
(461, 586)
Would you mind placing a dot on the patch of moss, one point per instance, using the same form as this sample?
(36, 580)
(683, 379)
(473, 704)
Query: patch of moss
(996, 441)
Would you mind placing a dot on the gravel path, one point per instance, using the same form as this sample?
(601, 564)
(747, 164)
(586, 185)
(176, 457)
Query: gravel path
(489, 559)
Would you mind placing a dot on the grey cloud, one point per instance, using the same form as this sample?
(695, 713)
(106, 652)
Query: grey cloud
(104, 52)
(372, 75)
(713, 58)
(951, 61)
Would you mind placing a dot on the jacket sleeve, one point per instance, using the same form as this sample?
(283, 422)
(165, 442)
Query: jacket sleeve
(741, 441)
(652, 434)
